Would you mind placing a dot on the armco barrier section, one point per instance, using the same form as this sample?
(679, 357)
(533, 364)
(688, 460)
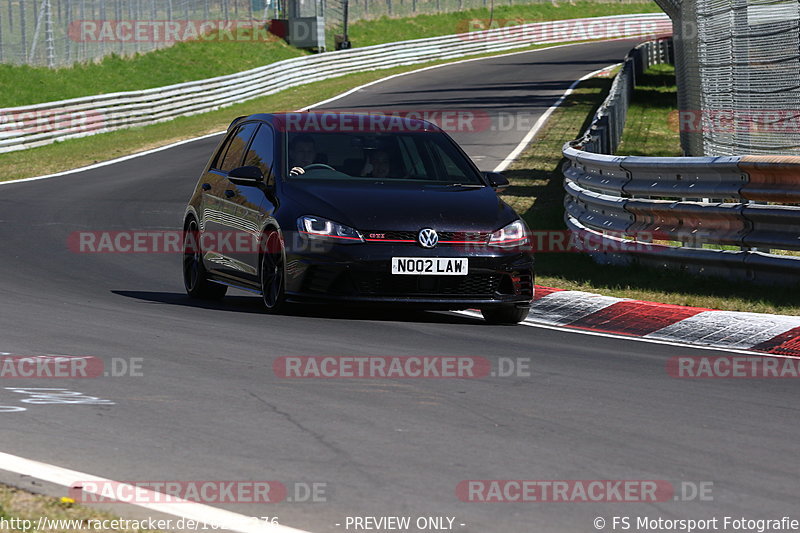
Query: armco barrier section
(724, 216)
(37, 125)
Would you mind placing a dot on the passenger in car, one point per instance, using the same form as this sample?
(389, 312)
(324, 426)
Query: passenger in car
(381, 162)
(302, 152)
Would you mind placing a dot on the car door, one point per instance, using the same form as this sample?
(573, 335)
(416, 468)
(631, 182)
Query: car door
(224, 207)
(255, 203)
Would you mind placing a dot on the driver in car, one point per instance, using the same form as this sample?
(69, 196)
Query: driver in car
(302, 153)
(380, 165)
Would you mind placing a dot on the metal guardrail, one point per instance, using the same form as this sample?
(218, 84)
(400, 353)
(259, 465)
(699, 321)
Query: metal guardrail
(723, 216)
(37, 125)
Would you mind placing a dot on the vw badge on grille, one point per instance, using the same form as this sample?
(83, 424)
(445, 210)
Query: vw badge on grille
(428, 238)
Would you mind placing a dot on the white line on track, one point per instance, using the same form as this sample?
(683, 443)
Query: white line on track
(196, 511)
(324, 102)
(113, 161)
(619, 336)
(546, 115)
(459, 62)
(211, 516)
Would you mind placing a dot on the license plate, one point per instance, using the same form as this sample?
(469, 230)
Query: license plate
(430, 266)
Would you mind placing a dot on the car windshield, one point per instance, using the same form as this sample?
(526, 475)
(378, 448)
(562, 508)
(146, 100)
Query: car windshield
(424, 157)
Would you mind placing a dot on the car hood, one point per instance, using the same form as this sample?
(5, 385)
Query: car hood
(401, 207)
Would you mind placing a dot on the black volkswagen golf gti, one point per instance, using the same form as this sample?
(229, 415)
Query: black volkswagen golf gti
(350, 208)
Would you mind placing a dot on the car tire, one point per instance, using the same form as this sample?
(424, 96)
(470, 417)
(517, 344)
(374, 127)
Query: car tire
(273, 273)
(506, 314)
(195, 276)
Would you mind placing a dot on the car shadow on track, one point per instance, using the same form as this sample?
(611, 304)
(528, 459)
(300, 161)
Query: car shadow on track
(252, 304)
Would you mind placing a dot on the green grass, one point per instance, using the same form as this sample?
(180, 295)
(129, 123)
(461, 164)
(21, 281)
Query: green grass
(22, 505)
(195, 60)
(537, 194)
(205, 58)
(75, 153)
(652, 125)
(384, 29)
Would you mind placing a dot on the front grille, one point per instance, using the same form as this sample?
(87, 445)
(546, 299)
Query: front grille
(526, 284)
(445, 237)
(517, 284)
(326, 280)
(380, 284)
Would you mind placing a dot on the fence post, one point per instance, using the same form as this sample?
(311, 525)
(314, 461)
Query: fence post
(137, 16)
(24, 31)
(36, 29)
(118, 17)
(48, 34)
(67, 40)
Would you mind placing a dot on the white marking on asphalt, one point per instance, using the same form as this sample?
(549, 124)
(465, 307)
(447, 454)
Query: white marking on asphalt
(333, 99)
(49, 396)
(539, 123)
(211, 516)
(562, 329)
(461, 61)
(735, 329)
(563, 307)
(113, 161)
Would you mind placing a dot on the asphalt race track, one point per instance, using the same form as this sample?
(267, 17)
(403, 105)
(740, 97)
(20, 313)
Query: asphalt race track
(209, 407)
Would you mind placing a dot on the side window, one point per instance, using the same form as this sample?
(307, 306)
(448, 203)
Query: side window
(236, 146)
(262, 150)
(220, 157)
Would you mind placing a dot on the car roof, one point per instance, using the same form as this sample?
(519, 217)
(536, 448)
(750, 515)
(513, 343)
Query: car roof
(333, 121)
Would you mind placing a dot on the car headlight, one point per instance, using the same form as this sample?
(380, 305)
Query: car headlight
(511, 236)
(322, 227)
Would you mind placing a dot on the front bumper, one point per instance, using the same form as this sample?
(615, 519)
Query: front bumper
(361, 273)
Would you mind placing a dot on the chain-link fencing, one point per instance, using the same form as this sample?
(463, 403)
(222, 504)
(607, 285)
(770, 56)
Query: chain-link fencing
(58, 33)
(738, 75)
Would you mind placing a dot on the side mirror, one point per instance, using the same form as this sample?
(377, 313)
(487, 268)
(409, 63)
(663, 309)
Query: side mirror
(496, 180)
(246, 175)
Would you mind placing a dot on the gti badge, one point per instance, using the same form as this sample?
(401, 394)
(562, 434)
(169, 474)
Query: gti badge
(428, 238)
